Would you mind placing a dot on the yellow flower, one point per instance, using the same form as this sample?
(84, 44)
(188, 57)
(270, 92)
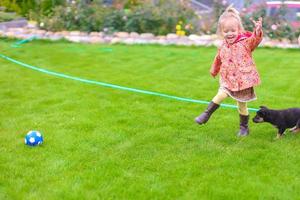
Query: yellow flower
(180, 33)
(178, 27)
(180, 22)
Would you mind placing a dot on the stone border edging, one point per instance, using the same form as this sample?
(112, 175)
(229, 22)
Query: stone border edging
(128, 38)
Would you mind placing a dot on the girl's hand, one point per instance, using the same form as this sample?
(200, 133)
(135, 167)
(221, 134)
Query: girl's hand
(212, 73)
(257, 25)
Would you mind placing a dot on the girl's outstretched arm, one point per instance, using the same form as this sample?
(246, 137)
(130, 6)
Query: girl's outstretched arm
(257, 34)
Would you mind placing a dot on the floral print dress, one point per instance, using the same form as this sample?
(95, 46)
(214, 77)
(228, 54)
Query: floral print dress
(234, 62)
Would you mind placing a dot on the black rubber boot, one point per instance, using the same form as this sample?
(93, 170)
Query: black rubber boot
(244, 129)
(204, 117)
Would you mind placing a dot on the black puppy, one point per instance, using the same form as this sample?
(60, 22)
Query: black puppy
(281, 119)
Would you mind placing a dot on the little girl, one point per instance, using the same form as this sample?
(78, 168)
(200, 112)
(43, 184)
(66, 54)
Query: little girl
(238, 74)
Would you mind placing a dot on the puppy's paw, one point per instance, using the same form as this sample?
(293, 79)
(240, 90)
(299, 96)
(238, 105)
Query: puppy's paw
(295, 129)
(279, 136)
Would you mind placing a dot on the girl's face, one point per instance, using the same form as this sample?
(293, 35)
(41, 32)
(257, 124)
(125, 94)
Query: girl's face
(230, 30)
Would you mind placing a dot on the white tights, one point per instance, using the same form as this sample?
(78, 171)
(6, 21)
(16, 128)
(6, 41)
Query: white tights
(221, 95)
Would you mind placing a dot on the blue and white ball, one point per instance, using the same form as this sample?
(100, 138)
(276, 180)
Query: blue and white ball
(33, 138)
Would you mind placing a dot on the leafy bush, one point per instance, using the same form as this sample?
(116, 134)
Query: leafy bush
(31, 8)
(158, 19)
(115, 21)
(8, 16)
(10, 6)
(76, 17)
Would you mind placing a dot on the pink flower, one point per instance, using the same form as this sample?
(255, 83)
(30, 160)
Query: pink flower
(274, 27)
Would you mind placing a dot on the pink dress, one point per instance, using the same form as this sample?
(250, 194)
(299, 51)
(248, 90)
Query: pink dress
(238, 73)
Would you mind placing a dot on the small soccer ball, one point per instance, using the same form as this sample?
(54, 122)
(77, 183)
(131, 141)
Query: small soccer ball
(33, 138)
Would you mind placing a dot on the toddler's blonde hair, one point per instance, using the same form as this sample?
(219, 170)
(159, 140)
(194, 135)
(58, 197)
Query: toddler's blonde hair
(230, 12)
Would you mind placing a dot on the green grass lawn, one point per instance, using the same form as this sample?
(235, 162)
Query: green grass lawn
(103, 143)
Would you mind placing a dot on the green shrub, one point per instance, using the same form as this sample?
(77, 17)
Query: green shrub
(158, 19)
(8, 16)
(76, 17)
(10, 5)
(115, 21)
(31, 8)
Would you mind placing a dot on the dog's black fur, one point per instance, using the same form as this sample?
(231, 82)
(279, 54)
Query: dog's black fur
(281, 119)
